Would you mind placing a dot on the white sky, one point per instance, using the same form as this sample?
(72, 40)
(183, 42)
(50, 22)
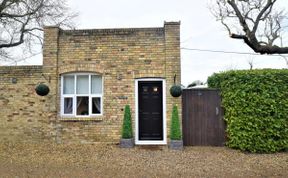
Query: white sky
(198, 30)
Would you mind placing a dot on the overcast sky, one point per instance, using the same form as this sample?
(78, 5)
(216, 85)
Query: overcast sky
(199, 30)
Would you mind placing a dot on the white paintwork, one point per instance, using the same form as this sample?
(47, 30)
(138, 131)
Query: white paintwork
(74, 96)
(150, 142)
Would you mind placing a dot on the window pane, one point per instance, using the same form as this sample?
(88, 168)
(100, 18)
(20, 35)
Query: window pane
(82, 84)
(68, 105)
(96, 84)
(68, 83)
(96, 105)
(83, 105)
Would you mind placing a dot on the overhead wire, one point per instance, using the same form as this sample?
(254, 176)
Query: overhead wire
(226, 52)
(231, 52)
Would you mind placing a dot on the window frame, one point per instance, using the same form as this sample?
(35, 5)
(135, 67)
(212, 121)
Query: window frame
(75, 95)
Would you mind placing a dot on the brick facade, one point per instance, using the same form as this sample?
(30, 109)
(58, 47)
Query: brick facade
(118, 55)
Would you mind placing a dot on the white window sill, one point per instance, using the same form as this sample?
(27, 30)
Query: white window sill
(94, 118)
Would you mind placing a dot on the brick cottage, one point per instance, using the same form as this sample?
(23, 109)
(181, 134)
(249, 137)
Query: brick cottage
(92, 74)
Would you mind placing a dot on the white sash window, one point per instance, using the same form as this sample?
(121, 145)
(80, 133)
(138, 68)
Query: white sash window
(81, 95)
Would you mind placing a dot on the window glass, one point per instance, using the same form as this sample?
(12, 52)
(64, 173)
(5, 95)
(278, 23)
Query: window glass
(96, 84)
(96, 105)
(68, 105)
(82, 84)
(68, 83)
(82, 105)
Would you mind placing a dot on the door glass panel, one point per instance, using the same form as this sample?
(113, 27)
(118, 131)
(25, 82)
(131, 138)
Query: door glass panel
(82, 84)
(82, 105)
(145, 89)
(155, 89)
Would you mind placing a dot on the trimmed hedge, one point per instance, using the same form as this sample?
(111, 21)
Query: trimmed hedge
(175, 133)
(256, 108)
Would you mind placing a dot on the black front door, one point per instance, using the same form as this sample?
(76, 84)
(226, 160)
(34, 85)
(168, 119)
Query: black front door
(150, 104)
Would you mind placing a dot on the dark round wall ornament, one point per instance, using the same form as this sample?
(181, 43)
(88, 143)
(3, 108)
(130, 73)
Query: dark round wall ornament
(176, 90)
(42, 89)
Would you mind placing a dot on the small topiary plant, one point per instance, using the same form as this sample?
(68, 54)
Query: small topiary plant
(127, 124)
(175, 131)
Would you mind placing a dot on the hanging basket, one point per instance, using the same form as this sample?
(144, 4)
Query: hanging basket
(176, 90)
(42, 89)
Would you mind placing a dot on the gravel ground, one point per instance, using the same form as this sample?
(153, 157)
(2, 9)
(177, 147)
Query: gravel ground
(51, 160)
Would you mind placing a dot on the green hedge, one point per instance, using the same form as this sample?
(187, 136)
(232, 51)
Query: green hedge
(256, 108)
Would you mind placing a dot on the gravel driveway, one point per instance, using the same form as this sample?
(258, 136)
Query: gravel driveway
(98, 160)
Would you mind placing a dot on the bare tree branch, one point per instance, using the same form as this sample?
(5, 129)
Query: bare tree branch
(257, 22)
(268, 6)
(22, 21)
(251, 63)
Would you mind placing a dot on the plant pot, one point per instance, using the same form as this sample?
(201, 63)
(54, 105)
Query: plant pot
(176, 144)
(126, 143)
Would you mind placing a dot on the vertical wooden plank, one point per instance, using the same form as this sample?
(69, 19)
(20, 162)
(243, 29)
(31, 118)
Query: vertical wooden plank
(197, 122)
(221, 123)
(203, 117)
(189, 111)
(199, 119)
(210, 117)
(184, 117)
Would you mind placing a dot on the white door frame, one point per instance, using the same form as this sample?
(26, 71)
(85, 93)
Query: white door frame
(150, 142)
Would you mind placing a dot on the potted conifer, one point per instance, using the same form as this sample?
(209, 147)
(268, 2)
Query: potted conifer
(127, 133)
(176, 142)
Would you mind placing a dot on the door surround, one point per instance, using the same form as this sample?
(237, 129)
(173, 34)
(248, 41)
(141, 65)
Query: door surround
(150, 142)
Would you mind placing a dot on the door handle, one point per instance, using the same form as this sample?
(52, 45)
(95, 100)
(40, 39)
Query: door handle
(217, 111)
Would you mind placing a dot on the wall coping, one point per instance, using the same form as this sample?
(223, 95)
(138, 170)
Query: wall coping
(172, 23)
(112, 31)
(7, 69)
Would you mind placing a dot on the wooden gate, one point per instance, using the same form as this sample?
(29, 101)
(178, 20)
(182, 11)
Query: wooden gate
(202, 117)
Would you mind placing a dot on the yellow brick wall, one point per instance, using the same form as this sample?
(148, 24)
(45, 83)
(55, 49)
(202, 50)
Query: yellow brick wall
(25, 116)
(119, 55)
